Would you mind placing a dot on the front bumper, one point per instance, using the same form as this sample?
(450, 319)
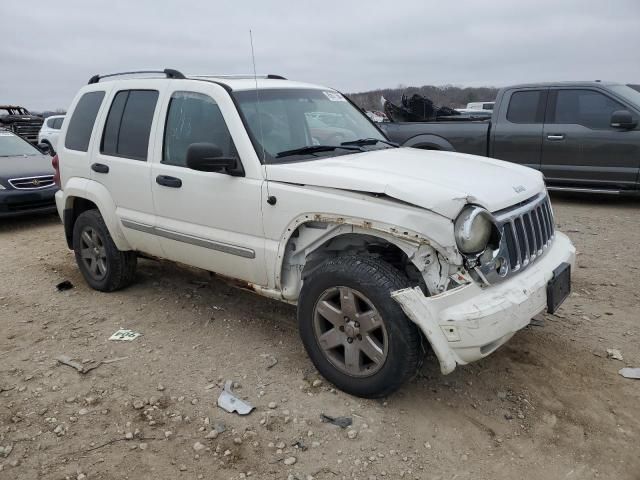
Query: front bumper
(27, 202)
(470, 322)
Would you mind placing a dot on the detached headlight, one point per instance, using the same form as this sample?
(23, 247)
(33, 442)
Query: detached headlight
(472, 230)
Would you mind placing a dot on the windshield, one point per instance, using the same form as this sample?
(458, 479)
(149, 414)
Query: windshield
(290, 124)
(628, 93)
(12, 145)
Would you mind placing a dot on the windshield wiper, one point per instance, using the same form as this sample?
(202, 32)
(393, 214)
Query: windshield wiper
(314, 149)
(368, 141)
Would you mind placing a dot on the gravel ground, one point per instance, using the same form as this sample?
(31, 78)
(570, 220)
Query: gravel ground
(550, 404)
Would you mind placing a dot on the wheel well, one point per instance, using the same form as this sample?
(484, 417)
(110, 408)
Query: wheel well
(427, 147)
(71, 214)
(314, 242)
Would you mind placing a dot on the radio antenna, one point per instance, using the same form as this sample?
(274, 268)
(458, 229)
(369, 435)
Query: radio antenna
(255, 79)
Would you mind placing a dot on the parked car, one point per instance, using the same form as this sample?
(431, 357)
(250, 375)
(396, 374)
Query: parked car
(19, 121)
(385, 250)
(583, 136)
(26, 178)
(50, 131)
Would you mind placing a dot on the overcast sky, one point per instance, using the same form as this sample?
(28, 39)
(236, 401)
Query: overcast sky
(50, 48)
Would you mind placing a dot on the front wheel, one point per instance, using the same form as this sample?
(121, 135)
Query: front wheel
(103, 266)
(357, 336)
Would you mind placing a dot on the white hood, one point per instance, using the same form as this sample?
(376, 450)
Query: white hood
(442, 182)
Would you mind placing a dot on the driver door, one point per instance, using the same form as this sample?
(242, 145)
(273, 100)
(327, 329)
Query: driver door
(209, 220)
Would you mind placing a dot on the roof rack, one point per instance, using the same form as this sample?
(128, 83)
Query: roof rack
(169, 72)
(241, 76)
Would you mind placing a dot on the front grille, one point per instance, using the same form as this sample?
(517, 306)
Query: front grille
(32, 183)
(30, 205)
(528, 231)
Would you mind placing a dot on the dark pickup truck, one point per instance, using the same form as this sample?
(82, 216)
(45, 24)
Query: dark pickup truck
(19, 121)
(583, 136)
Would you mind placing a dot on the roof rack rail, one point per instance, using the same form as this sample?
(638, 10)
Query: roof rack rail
(240, 76)
(169, 72)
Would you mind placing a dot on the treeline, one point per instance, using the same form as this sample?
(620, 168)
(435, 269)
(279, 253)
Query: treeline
(448, 95)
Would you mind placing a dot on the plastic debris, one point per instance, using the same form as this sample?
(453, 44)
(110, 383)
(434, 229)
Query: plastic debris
(229, 402)
(630, 373)
(124, 335)
(85, 368)
(614, 354)
(342, 422)
(66, 360)
(65, 285)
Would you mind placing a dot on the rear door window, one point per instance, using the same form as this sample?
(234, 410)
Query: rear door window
(128, 126)
(588, 108)
(526, 107)
(51, 122)
(82, 120)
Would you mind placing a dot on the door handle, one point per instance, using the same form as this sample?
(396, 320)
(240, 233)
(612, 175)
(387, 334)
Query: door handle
(558, 136)
(167, 181)
(100, 168)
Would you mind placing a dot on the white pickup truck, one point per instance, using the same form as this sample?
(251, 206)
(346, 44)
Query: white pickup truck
(292, 190)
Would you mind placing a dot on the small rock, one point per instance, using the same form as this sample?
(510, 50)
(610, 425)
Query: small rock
(198, 446)
(142, 446)
(272, 405)
(280, 445)
(502, 395)
(237, 440)
(138, 404)
(352, 434)
(160, 387)
(81, 476)
(168, 434)
(128, 435)
(182, 468)
(317, 383)
(212, 434)
(83, 411)
(290, 460)
(614, 354)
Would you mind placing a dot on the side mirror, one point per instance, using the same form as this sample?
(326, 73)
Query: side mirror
(207, 157)
(623, 119)
(45, 148)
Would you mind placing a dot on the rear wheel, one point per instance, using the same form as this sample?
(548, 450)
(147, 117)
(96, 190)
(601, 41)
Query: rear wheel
(356, 335)
(103, 266)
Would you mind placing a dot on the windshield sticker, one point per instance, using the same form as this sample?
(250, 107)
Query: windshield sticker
(334, 96)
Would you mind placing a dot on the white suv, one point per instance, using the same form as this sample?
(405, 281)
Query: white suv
(50, 131)
(386, 251)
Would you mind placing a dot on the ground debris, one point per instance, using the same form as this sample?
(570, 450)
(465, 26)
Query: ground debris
(614, 354)
(124, 335)
(342, 422)
(229, 402)
(630, 373)
(64, 285)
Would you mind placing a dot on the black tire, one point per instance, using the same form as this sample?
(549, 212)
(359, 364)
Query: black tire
(375, 280)
(118, 267)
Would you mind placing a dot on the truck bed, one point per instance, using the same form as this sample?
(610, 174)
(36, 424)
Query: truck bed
(465, 137)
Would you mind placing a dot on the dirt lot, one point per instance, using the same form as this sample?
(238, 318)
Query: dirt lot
(548, 405)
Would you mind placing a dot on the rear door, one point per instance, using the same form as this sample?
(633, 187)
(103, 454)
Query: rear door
(120, 160)
(517, 130)
(211, 220)
(580, 147)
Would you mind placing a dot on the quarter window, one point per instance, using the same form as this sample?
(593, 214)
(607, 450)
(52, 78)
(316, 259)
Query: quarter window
(51, 122)
(57, 124)
(82, 120)
(194, 118)
(526, 107)
(588, 108)
(128, 126)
